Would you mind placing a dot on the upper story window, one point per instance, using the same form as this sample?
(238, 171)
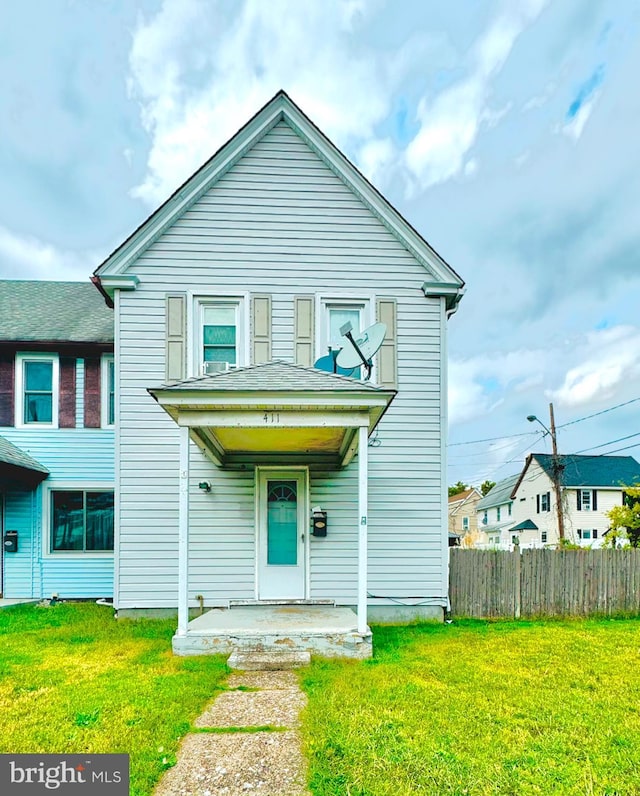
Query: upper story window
(509, 508)
(108, 382)
(220, 335)
(335, 314)
(485, 518)
(543, 502)
(37, 380)
(465, 523)
(498, 514)
(587, 500)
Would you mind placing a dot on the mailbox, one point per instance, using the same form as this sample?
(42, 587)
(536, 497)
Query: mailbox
(318, 522)
(11, 542)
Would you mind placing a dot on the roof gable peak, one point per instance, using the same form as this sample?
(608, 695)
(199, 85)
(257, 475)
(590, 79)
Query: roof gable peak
(280, 108)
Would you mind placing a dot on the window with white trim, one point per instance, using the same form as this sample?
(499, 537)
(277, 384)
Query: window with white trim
(108, 381)
(219, 335)
(80, 521)
(465, 523)
(585, 500)
(543, 537)
(37, 385)
(335, 314)
(498, 513)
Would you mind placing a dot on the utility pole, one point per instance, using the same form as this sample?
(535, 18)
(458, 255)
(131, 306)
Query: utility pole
(556, 474)
(556, 467)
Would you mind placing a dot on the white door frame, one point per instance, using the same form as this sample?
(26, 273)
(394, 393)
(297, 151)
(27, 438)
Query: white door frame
(262, 474)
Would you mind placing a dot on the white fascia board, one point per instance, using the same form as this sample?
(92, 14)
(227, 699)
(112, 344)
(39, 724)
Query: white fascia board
(252, 400)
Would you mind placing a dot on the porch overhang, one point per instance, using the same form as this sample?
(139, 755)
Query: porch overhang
(315, 423)
(19, 470)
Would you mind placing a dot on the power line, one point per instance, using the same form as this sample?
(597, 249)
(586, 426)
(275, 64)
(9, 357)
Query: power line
(595, 414)
(611, 442)
(491, 439)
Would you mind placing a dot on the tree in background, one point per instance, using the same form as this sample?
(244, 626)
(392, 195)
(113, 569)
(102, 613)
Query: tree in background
(456, 489)
(486, 487)
(625, 519)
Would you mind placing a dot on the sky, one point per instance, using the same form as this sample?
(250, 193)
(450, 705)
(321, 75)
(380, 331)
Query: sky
(506, 131)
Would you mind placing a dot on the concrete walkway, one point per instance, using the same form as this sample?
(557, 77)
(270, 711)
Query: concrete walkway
(226, 758)
(7, 602)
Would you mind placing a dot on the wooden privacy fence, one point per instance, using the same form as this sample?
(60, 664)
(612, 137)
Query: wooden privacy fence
(496, 583)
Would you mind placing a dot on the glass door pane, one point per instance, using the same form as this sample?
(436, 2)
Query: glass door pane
(282, 523)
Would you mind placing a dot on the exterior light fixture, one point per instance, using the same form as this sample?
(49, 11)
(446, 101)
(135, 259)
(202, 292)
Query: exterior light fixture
(205, 486)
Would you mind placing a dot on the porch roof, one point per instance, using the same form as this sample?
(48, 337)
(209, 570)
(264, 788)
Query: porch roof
(298, 415)
(18, 467)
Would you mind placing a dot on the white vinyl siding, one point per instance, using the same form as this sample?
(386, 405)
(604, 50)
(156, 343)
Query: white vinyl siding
(282, 223)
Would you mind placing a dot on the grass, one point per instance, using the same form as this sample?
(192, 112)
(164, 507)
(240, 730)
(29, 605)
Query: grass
(480, 708)
(73, 680)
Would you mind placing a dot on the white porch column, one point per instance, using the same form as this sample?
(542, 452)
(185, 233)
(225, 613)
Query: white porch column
(183, 534)
(363, 452)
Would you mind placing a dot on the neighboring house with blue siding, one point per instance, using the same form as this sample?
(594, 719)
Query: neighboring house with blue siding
(228, 437)
(56, 440)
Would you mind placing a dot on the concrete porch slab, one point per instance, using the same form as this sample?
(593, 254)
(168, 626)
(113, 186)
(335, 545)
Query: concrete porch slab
(318, 629)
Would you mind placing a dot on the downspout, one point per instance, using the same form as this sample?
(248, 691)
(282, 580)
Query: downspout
(107, 298)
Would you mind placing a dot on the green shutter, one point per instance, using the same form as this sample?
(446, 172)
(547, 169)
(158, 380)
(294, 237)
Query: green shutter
(388, 354)
(260, 329)
(304, 328)
(176, 359)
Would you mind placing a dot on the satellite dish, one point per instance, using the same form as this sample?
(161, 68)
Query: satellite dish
(329, 364)
(362, 348)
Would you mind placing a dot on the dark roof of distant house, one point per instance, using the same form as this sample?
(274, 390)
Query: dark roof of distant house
(527, 525)
(61, 312)
(500, 494)
(595, 471)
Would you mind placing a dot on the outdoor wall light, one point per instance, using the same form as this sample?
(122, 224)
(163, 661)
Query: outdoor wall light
(205, 486)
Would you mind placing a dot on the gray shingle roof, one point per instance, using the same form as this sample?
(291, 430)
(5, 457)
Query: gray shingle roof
(10, 454)
(39, 311)
(274, 376)
(500, 494)
(597, 471)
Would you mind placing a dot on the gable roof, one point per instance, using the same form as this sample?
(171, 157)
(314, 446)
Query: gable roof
(499, 494)
(526, 525)
(604, 472)
(276, 376)
(67, 312)
(280, 108)
(461, 496)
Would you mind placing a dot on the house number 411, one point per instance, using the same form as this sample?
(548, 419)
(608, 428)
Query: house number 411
(272, 417)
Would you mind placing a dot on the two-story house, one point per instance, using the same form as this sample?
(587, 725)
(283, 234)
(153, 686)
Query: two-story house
(245, 476)
(590, 486)
(56, 440)
(495, 515)
(462, 514)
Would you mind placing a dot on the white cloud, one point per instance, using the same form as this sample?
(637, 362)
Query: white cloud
(610, 362)
(200, 75)
(27, 257)
(450, 124)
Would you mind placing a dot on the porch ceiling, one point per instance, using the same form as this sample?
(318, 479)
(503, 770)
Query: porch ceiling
(293, 415)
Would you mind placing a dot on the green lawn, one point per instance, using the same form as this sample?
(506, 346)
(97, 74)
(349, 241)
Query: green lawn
(74, 680)
(470, 708)
(480, 708)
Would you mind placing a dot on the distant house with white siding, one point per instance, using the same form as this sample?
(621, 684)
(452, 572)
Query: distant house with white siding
(228, 437)
(495, 514)
(56, 440)
(590, 486)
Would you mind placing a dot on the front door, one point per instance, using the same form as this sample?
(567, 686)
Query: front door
(282, 534)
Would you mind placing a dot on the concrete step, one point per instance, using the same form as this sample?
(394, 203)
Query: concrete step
(273, 660)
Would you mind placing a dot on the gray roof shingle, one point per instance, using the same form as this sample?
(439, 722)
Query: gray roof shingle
(10, 454)
(500, 494)
(274, 376)
(65, 312)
